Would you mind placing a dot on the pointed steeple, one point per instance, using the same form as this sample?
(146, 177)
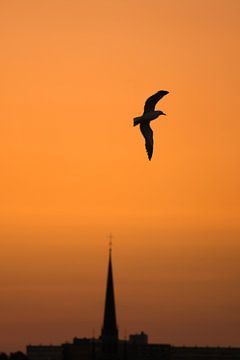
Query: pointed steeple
(109, 330)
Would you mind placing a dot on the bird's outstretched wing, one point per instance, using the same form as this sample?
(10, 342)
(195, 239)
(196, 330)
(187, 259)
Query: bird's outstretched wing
(148, 135)
(152, 100)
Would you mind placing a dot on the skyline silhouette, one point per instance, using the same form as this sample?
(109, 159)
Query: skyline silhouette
(108, 345)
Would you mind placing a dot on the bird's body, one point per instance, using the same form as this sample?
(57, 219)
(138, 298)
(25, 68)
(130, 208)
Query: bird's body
(148, 115)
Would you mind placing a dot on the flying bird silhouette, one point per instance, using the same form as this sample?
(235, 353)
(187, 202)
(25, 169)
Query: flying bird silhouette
(148, 115)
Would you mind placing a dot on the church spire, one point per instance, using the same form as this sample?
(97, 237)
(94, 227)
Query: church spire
(109, 330)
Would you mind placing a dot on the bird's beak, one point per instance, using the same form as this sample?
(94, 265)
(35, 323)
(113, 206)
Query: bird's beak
(164, 113)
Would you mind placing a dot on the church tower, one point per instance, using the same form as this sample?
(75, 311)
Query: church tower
(109, 333)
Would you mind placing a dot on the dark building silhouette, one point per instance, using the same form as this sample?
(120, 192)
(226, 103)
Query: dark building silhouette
(80, 349)
(109, 347)
(141, 338)
(45, 352)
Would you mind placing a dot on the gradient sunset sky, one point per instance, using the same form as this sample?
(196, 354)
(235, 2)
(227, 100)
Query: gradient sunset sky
(74, 73)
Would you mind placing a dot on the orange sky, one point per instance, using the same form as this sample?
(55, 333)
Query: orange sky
(74, 74)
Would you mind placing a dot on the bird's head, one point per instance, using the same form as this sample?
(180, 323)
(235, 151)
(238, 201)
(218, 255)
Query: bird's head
(161, 113)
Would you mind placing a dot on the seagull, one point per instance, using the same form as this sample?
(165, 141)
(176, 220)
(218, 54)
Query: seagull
(148, 115)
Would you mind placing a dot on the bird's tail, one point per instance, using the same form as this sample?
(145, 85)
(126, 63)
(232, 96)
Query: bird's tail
(136, 121)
